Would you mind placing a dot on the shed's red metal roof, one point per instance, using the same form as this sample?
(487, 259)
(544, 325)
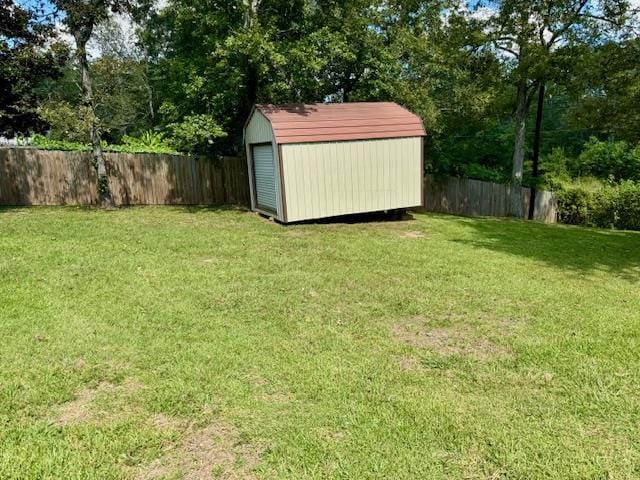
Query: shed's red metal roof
(331, 122)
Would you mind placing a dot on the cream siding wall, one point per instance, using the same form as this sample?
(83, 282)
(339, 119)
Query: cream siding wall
(339, 178)
(259, 130)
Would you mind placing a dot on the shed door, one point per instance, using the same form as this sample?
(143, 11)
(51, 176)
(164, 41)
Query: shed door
(264, 171)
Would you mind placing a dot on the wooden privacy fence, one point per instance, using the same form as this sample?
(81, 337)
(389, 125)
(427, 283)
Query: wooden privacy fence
(39, 177)
(464, 196)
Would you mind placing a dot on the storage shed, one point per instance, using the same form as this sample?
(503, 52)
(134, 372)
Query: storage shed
(324, 160)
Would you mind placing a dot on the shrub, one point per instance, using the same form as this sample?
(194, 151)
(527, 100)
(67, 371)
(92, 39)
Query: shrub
(66, 122)
(148, 142)
(574, 205)
(44, 143)
(618, 206)
(616, 160)
(606, 206)
(195, 132)
(481, 172)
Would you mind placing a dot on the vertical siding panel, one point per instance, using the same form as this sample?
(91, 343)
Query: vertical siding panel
(289, 182)
(402, 172)
(359, 174)
(381, 175)
(308, 207)
(301, 172)
(410, 169)
(325, 194)
(289, 189)
(329, 185)
(309, 162)
(389, 180)
(320, 203)
(292, 168)
(341, 171)
(346, 154)
(376, 178)
(366, 166)
(376, 193)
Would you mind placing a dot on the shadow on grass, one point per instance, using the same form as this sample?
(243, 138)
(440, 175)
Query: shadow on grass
(567, 247)
(215, 208)
(371, 217)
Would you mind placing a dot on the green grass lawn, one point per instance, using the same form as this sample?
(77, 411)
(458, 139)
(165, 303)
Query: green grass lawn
(194, 343)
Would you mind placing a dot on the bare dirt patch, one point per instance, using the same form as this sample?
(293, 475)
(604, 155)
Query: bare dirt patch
(409, 364)
(82, 409)
(451, 341)
(412, 234)
(211, 451)
(79, 364)
(160, 421)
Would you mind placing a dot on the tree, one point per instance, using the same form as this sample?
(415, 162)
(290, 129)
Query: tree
(529, 34)
(219, 58)
(27, 56)
(605, 90)
(457, 90)
(81, 18)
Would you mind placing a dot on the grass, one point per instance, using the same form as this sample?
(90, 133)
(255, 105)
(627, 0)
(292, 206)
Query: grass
(171, 343)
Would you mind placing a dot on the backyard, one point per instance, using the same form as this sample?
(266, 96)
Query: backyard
(150, 343)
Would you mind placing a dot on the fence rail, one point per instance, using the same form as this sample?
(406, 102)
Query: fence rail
(464, 196)
(39, 177)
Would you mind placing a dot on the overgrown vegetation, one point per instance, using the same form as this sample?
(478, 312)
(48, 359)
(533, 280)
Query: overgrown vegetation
(148, 142)
(599, 187)
(439, 348)
(607, 205)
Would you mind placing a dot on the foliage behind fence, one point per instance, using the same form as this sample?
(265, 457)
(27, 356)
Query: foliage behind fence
(38, 177)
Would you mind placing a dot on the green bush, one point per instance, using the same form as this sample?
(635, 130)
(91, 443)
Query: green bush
(481, 172)
(148, 142)
(618, 206)
(195, 133)
(67, 123)
(615, 160)
(44, 143)
(606, 206)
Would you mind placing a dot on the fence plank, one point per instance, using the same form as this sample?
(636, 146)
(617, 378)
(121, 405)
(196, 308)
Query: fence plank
(474, 197)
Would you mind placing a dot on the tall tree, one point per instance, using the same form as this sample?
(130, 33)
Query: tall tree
(81, 18)
(537, 139)
(216, 59)
(605, 90)
(27, 56)
(123, 96)
(529, 33)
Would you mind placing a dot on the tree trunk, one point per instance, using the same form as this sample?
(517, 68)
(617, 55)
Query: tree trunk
(251, 12)
(518, 150)
(104, 191)
(536, 148)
